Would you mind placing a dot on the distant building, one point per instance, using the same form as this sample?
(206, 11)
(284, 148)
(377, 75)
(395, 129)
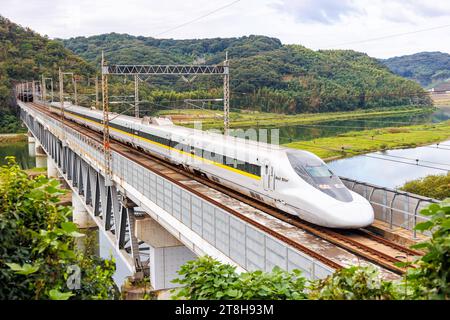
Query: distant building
(442, 88)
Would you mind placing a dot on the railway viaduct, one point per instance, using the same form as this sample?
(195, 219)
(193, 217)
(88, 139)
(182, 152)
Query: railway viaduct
(153, 218)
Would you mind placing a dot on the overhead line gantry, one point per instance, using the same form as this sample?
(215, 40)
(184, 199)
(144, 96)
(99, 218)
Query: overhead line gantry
(182, 70)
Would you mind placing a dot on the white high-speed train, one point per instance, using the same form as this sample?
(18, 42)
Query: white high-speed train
(295, 181)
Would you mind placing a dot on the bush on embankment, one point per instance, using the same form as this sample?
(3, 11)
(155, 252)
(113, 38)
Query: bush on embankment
(206, 278)
(37, 255)
(433, 186)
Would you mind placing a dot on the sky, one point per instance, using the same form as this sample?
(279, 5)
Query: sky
(380, 28)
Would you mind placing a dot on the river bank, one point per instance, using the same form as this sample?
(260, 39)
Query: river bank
(212, 119)
(365, 141)
(12, 138)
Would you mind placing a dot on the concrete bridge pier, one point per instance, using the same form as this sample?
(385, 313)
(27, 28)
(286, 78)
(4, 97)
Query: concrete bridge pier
(167, 254)
(41, 156)
(52, 171)
(31, 145)
(79, 213)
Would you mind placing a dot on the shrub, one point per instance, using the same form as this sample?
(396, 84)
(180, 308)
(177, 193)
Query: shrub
(431, 278)
(206, 278)
(354, 283)
(433, 186)
(36, 243)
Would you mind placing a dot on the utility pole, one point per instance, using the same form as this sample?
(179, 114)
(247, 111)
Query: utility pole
(96, 92)
(75, 98)
(33, 90)
(106, 144)
(226, 95)
(61, 93)
(43, 89)
(136, 96)
(51, 87)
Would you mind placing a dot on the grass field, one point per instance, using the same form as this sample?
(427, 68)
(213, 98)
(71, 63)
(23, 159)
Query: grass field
(13, 137)
(245, 119)
(441, 99)
(359, 142)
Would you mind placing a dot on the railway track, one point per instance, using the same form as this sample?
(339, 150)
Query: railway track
(360, 242)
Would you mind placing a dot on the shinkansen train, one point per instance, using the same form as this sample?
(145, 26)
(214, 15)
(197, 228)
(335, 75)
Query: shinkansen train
(295, 181)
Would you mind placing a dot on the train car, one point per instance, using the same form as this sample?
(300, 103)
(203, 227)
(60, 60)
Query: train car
(295, 181)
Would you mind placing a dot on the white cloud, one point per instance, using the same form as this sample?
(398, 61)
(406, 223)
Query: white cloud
(313, 23)
(320, 11)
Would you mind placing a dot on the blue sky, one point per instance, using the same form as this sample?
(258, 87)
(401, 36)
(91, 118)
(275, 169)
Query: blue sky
(317, 24)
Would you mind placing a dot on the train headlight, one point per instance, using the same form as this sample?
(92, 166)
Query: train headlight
(324, 186)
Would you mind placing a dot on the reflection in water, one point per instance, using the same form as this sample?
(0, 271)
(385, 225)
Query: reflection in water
(392, 174)
(331, 128)
(20, 151)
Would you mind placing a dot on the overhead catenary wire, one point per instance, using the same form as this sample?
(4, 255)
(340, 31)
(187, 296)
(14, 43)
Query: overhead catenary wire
(359, 127)
(395, 35)
(416, 160)
(197, 19)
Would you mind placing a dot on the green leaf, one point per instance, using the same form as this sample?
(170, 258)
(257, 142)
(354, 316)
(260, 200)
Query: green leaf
(26, 269)
(55, 294)
(421, 245)
(232, 292)
(69, 227)
(423, 226)
(76, 234)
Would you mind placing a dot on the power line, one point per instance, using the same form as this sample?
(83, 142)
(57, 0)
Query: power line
(409, 94)
(388, 36)
(441, 144)
(416, 160)
(198, 18)
(355, 127)
(429, 146)
(370, 156)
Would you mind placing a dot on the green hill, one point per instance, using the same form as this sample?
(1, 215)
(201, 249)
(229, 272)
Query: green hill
(265, 74)
(26, 55)
(427, 68)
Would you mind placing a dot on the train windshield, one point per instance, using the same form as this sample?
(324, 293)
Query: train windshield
(319, 171)
(315, 172)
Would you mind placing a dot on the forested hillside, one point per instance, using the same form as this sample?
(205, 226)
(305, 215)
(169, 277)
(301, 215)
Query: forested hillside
(265, 74)
(25, 55)
(427, 68)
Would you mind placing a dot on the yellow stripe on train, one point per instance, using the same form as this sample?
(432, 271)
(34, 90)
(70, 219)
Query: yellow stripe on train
(221, 165)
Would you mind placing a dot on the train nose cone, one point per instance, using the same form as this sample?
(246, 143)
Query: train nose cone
(357, 215)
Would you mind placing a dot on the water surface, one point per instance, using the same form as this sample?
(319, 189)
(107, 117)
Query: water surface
(20, 151)
(393, 170)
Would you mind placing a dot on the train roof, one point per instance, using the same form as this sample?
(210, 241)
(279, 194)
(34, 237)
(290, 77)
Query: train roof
(170, 128)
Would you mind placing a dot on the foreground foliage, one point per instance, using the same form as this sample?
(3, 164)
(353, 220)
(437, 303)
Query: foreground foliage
(431, 279)
(37, 255)
(206, 278)
(433, 186)
(354, 283)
